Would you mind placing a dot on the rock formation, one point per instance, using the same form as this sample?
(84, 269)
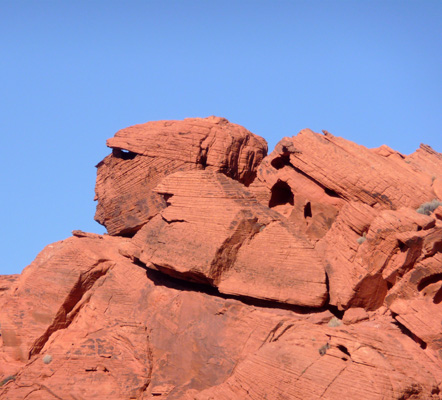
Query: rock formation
(229, 274)
(143, 155)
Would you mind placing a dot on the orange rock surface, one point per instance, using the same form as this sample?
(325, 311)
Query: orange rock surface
(306, 274)
(142, 155)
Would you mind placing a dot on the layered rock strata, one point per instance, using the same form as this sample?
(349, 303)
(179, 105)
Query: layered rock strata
(226, 274)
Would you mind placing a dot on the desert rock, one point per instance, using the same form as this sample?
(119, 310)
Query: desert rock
(142, 155)
(214, 231)
(312, 273)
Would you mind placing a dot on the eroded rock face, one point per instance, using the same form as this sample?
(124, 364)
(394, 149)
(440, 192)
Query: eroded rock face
(142, 155)
(331, 363)
(214, 231)
(131, 333)
(317, 280)
(352, 202)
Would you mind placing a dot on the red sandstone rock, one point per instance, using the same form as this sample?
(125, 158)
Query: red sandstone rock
(144, 154)
(353, 315)
(82, 326)
(370, 361)
(138, 335)
(426, 160)
(438, 212)
(332, 190)
(310, 177)
(214, 231)
(361, 268)
(6, 282)
(328, 234)
(415, 301)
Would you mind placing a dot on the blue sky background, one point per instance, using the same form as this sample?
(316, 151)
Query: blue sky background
(74, 72)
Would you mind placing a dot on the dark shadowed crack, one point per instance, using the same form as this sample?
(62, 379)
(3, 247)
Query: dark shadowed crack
(331, 382)
(146, 384)
(76, 299)
(43, 387)
(275, 334)
(171, 221)
(409, 333)
(163, 278)
(225, 256)
(284, 161)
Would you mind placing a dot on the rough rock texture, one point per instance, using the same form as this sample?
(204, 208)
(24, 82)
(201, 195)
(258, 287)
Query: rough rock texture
(315, 279)
(215, 231)
(144, 154)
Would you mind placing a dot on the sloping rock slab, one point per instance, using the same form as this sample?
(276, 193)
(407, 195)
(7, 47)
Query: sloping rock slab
(369, 254)
(309, 178)
(214, 231)
(355, 173)
(416, 302)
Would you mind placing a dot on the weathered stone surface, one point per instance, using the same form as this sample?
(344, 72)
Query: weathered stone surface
(139, 334)
(144, 154)
(318, 280)
(318, 362)
(79, 326)
(354, 173)
(354, 315)
(364, 262)
(415, 301)
(291, 192)
(426, 160)
(214, 231)
(310, 177)
(6, 283)
(333, 190)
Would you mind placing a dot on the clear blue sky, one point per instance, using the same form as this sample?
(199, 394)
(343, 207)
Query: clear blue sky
(75, 72)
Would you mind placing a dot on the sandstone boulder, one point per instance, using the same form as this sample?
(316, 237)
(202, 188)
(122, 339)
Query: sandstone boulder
(214, 231)
(365, 261)
(142, 155)
(139, 334)
(85, 322)
(415, 301)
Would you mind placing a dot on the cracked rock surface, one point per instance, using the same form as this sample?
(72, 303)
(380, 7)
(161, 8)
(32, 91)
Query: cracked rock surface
(228, 274)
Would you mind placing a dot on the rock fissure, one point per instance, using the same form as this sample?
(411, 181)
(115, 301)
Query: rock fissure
(163, 278)
(172, 221)
(332, 381)
(69, 309)
(409, 333)
(226, 255)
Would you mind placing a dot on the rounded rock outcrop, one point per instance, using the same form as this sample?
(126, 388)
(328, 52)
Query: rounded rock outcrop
(142, 155)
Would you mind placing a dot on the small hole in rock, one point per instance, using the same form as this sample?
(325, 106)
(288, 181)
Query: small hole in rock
(281, 194)
(428, 281)
(402, 246)
(331, 193)
(123, 154)
(438, 296)
(280, 162)
(307, 210)
(167, 196)
(203, 161)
